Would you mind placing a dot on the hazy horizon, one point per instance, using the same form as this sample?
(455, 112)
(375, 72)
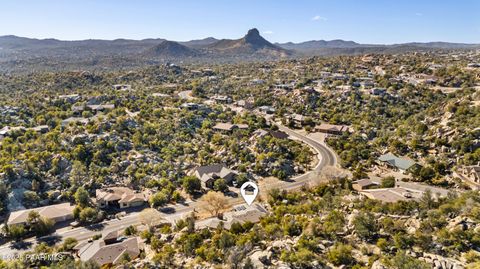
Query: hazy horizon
(366, 22)
(219, 38)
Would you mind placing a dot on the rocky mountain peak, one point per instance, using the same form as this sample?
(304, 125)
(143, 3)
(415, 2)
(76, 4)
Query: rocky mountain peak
(253, 37)
(253, 32)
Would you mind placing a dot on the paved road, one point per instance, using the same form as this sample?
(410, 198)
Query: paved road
(325, 155)
(80, 233)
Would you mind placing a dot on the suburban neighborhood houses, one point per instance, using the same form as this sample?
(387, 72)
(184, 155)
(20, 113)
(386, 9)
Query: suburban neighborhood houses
(369, 160)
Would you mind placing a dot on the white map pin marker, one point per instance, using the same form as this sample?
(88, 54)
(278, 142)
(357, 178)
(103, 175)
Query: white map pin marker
(249, 192)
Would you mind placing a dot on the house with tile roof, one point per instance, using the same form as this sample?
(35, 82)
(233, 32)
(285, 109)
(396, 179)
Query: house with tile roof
(57, 213)
(332, 129)
(121, 197)
(364, 184)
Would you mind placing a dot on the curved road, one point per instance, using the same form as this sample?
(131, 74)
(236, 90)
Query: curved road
(326, 157)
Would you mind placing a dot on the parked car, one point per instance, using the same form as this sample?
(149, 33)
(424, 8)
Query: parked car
(231, 194)
(167, 210)
(120, 215)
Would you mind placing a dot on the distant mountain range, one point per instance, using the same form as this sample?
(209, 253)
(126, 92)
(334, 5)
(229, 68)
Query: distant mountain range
(315, 44)
(20, 52)
(338, 46)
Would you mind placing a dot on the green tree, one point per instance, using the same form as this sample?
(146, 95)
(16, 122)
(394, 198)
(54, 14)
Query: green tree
(403, 261)
(248, 264)
(30, 198)
(382, 244)
(88, 215)
(130, 230)
(402, 241)
(79, 174)
(82, 197)
(16, 231)
(224, 240)
(68, 244)
(300, 258)
(427, 201)
(191, 184)
(220, 185)
(38, 224)
(426, 173)
(43, 226)
(33, 217)
(365, 225)
(190, 242)
(159, 199)
(388, 182)
(340, 254)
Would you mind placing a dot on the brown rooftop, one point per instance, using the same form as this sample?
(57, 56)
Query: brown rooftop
(53, 212)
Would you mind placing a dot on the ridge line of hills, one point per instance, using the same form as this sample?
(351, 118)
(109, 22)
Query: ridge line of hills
(21, 51)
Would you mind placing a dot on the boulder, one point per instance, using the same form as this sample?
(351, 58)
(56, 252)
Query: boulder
(261, 258)
(350, 218)
(378, 265)
(54, 194)
(282, 265)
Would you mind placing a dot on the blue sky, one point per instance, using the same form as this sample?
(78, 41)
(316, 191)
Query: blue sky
(364, 21)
